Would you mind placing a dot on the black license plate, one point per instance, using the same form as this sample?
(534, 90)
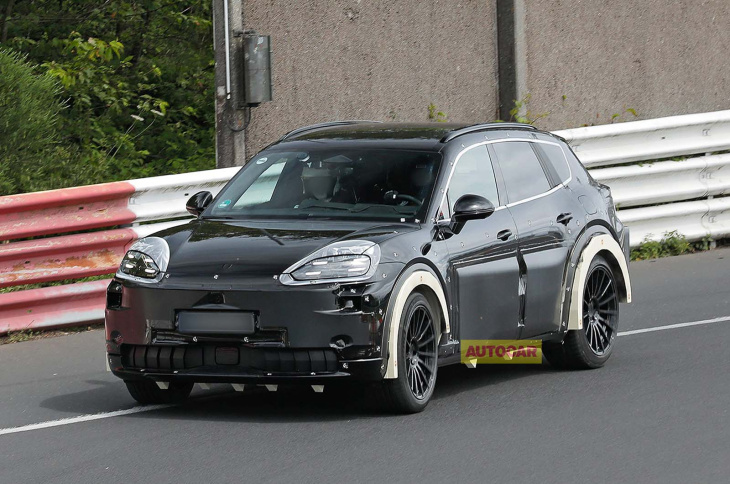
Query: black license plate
(216, 322)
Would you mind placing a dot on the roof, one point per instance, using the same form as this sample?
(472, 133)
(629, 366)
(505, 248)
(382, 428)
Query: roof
(373, 130)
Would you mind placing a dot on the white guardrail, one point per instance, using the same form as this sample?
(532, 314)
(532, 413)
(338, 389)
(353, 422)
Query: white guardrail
(653, 197)
(686, 193)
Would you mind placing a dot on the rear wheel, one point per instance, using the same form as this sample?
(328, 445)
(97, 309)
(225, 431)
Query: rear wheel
(591, 346)
(145, 391)
(411, 391)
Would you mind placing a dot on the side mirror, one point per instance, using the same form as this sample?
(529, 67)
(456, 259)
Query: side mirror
(472, 207)
(469, 207)
(198, 202)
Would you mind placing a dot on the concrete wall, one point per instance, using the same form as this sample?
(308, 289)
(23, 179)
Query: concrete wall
(658, 57)
(580, 61)
(381, 60)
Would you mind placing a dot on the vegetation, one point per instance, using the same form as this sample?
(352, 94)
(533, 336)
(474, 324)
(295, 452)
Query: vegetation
(106, 90)
(29, 111)
(522, 114)
(672, 243)
(30, 335)
(435, 115)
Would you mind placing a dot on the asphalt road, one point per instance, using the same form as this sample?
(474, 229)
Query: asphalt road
(658, 412)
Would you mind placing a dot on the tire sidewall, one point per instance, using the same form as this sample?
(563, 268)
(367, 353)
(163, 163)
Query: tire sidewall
(415, 300)
(591, 358)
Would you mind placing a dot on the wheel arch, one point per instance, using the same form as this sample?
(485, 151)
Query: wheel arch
(603, 245)
(415, 278)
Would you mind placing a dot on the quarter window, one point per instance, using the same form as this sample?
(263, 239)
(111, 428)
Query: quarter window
(556, 157)
(523, 174)
(473, 175)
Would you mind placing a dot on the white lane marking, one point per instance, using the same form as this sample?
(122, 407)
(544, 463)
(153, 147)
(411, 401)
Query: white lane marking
(674, 326)
(82, 418)
(150, 408)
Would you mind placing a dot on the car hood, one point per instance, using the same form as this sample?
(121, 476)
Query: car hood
(237, 248)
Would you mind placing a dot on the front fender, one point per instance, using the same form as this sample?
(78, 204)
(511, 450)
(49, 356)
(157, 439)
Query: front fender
(417, 276)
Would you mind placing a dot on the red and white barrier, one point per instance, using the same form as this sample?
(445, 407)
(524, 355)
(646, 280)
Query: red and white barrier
(66, 257)
(53, 307)
(676, 185)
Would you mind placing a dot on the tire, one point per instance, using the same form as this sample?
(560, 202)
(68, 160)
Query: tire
(145, 391)
(411, 391)
(591, 346)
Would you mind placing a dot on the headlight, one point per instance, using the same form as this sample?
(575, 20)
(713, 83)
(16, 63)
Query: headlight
(146, 261)
(349, 261)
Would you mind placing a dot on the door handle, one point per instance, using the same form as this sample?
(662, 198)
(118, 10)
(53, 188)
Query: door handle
(504, 234)
(565, 218)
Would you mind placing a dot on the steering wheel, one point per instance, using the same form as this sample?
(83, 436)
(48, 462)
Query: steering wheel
(392, 195)
(409, 198)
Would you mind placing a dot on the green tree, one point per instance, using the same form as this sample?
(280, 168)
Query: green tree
(136, 76)
(30, 153)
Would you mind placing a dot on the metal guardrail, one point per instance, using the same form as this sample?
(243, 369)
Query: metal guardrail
(65, 257)
(655, 197)
(687, 195)
(667, 181)
(650, 139)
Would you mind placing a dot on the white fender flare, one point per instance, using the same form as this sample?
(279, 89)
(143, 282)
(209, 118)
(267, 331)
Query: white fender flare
(597, 244)
(417, 278)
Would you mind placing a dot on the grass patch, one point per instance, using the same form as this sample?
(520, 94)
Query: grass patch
(39, 285)
(32, 335)
(672, 243)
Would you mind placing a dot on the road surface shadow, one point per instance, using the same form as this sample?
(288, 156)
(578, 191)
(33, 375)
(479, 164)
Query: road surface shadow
(292, 403)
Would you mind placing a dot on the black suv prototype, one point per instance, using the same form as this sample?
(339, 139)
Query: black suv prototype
(367, 251)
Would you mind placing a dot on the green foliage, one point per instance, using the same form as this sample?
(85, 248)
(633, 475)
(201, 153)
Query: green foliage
(616, 116)
(705, 244)
(17, 337)
(672, 243)
(137, 79)
(522, 114)
(30, 335)
(435, 115)
(29, 125)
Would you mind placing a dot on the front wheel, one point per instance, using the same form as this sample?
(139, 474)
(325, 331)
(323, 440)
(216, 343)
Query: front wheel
(145, 391)
(411, 391)
(591, 346)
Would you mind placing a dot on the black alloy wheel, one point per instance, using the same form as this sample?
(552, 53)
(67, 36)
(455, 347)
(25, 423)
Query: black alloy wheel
(600, 307)
(591, 346)
(417, 366)
(420, 351)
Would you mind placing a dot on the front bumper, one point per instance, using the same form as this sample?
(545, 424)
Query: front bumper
(312, 333)
(276, 366)
(262, 367)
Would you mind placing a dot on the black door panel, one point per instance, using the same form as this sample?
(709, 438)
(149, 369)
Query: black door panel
(545, 245)
(547, 222)
(486, 278)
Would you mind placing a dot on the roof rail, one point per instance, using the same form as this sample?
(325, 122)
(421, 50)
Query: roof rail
(323, 125)
(485, 127)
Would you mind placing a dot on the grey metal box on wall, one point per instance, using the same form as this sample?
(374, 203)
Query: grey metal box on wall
(256, 69)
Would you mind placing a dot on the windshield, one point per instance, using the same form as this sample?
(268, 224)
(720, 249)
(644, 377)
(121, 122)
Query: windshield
(332, 183)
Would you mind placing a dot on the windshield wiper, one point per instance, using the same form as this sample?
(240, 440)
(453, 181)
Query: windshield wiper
(393, 208)
(266, 232)
(323, 206)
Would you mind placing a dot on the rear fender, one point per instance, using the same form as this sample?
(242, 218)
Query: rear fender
(605, 246)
